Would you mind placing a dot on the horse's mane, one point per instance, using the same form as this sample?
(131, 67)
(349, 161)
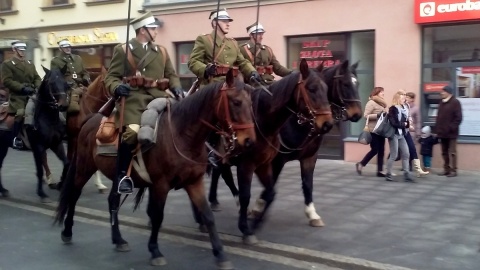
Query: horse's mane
(282, 91)
(193, 103)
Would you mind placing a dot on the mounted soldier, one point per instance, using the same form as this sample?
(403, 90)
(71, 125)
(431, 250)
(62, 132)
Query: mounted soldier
(21, 78)
(147, 66)
(209, 68)
(261, 56)
(227, 55)
(75, 74)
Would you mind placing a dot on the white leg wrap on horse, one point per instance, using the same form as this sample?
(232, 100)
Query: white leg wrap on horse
(259, 205)
(311, 212)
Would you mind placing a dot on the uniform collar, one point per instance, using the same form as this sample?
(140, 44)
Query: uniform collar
(218, 40)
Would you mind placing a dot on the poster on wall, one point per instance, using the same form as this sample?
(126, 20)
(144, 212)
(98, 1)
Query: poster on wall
(468, 93)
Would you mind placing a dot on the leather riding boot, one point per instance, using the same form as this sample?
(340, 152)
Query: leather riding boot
(17, 142)
(125, 183)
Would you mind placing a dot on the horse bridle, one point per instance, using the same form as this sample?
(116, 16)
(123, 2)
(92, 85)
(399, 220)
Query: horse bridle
(230, 135)
(302, 119)
(337, 91)
(54, 103)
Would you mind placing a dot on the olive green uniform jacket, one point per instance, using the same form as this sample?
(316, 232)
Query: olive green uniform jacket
(202, 54)
(264, 57)
(153, 67)
(74, 64)
(15, 75)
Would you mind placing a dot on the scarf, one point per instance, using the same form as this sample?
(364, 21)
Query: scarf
(379, 100)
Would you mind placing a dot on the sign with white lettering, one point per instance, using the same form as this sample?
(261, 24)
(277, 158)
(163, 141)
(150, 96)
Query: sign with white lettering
(432, 11)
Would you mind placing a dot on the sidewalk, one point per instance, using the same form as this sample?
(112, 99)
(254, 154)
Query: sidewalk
(430, 225)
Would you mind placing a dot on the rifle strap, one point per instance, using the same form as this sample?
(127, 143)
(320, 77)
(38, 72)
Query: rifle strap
(219, 51)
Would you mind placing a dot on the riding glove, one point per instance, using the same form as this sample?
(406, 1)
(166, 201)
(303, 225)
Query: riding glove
(255, 76)
(178, 92)
(122, 90)
(27, 90)
(210, 70)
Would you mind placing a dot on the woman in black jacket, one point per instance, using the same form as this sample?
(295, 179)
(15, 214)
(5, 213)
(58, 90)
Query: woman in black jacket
(398, 117)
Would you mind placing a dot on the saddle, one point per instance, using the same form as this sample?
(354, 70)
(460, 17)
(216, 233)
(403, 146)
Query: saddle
(6, 121)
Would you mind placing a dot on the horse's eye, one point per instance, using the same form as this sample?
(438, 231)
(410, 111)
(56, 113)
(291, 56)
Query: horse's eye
(237, 102)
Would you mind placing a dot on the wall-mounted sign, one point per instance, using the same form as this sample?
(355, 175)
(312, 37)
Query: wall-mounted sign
(446, 10)
(434, 86)
(83, 37)
(470, 70)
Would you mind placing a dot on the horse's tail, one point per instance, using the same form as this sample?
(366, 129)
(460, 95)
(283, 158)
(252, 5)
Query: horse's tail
(66, 193)
(139, 198)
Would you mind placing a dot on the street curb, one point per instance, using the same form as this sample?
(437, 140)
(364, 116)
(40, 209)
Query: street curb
(303, 254)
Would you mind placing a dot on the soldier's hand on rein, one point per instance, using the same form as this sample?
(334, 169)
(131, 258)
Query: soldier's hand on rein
(210, 70)
(255, 77)
(122, 90)
(27, 90)
(178, 92)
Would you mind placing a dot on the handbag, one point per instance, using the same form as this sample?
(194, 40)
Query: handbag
(365, 137)
(383, 127)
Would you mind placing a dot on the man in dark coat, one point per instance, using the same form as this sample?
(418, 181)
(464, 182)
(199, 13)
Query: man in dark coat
(447, 128)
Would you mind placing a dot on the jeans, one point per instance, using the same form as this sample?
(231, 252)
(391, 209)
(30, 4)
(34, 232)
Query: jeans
(427, 161)
(398, 141)
(411, 146)
(377, 147)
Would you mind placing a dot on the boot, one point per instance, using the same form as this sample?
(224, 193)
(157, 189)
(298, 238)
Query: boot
(124, 158)
(408, 178)
(418, 168)
(17, 142)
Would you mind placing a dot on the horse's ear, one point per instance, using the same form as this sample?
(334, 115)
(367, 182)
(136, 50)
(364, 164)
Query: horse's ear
(345, 65)
(355, 66)
(304, 68)
(230, 79)
(45, 69)
(320, 67)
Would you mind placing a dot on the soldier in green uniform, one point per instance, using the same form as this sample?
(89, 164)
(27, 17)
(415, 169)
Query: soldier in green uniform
(21, 78)
(265, 61)
(75, 73)
(148, 65)
(227, 53)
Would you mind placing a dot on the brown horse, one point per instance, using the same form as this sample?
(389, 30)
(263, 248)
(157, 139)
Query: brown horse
(177, 160)
(301, 93)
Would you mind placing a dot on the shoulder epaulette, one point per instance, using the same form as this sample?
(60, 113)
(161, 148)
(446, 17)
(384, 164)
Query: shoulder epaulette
(246, 45)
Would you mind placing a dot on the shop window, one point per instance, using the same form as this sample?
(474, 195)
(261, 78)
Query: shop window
(60, 2)
(451, 57)
(102, 2)
(6, 5)
(57, 4)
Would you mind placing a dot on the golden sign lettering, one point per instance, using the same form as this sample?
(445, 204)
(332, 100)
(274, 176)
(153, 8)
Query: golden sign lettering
(97, 37)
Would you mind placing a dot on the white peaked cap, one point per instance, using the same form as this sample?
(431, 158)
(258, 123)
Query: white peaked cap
(256, 28)
(21, 46)
(64, 43)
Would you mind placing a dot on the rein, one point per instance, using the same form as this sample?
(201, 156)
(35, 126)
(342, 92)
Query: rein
(337, 94)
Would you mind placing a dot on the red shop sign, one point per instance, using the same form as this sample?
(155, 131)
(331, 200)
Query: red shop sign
(471, 70)
(446, 10)
(433, 87)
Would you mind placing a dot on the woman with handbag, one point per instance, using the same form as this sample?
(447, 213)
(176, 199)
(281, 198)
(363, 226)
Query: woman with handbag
(374, 107)
(399, 119)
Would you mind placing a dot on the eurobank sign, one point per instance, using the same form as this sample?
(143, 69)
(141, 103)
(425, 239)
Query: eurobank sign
(446, 10)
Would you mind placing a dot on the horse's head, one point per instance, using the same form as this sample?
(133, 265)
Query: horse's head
(343, 91)
(234, 111)
(53, 89)
(312, 99)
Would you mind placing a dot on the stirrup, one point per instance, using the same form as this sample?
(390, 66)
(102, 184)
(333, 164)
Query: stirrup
(17, 143)
(212, 159)
(126, 180)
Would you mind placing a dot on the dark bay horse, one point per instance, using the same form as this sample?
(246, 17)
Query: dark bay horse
(301, 93)
(47, 131)
(177, 160)
(300, 143)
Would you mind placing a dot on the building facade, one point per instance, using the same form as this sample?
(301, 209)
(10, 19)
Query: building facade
(93, 27)
(415, 45)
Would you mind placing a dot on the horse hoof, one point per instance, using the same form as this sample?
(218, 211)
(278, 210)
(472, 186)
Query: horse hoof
(122, 248)
(250, 240)
(203, 228)
(66, 239)
(215, 207)
(226, 265)
(158, 261)
(53, 185)
(316, 223)
(5, 193)
(45, 200)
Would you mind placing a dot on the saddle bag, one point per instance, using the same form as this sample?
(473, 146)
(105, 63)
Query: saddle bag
(108, 132)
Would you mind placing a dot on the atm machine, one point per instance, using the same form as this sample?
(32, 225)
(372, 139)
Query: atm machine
(431, 100)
